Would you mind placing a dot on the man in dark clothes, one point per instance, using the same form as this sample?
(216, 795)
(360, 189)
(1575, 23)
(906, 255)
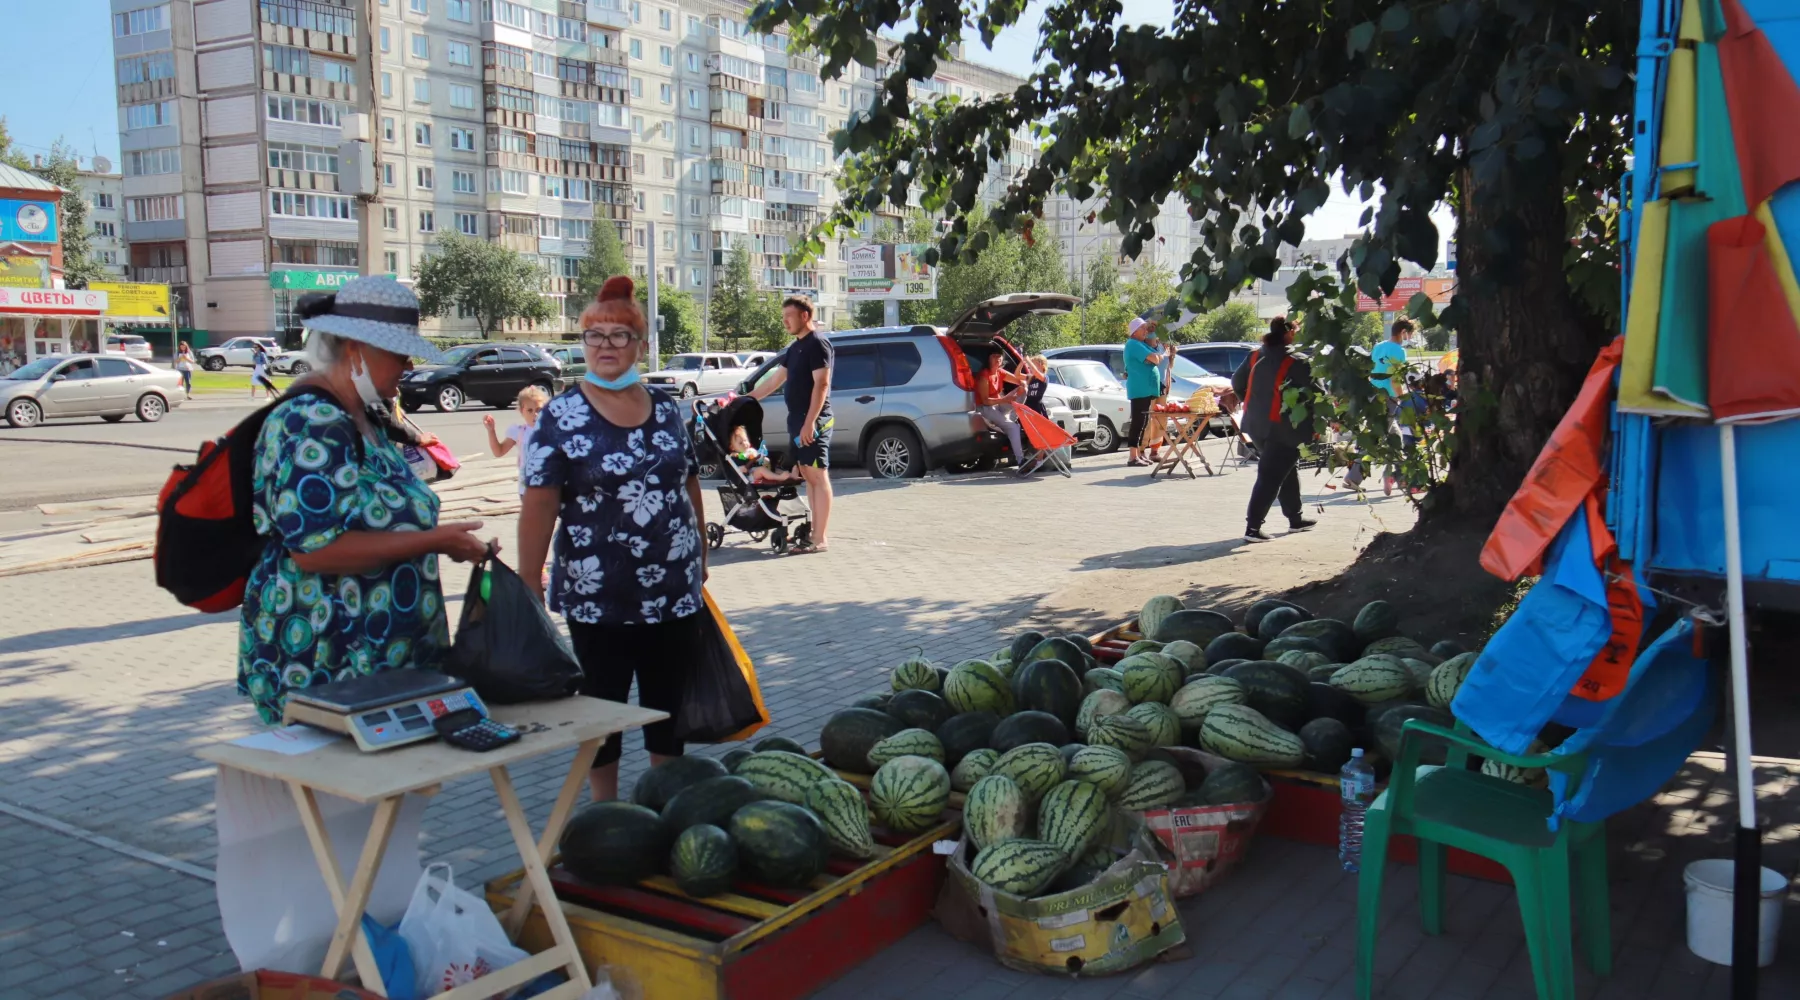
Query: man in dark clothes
(1260, 382)
(806, 378)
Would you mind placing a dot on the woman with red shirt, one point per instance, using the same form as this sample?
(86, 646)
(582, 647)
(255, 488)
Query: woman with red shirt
(996, 402)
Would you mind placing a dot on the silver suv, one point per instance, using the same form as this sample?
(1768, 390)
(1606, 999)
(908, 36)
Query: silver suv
(903, 398)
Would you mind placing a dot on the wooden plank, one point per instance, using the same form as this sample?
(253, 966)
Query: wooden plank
(730, 902)
(517, 974)
(632, 900)
(535, 876)
(559, 816)
(144, 502)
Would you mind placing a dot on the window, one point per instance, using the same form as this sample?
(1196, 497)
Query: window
(142, 20)
(694, 98)
(387, 84)
(145, 68)
(303, 62)
(640, 201)
(843, 97)
(311, 206)
(304, 111)
(144, 162)
(149, 115)
(665, 20)
(665, 55)
(105, 229)
(899, 362)
(856, 367)
(458, 54)
(693, 62)
(696, 170)
(387, 174)
(293, 156)
(392, 258)
(637, 126)
(693, 26)
(507, 13)
(462, 96)
(422, 134)
(694, 137)
(693, 242)
(467, 225)
(387, 129)
(384, 41)
(462, 138)
(390, 218)
(637, 163)
(694, 207)
(462, 181)
(668, 165)
(424, 178)
(421, 47)
(419, 6)
(459, 10)
(421, 90)
(328, 252)
(637, 86)
(694, 277)
(637, 49)
(668, 204)
(668, 239)
(666, 92)
(427, 221)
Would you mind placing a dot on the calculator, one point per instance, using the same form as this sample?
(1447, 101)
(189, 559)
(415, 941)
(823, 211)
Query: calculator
(471, 730)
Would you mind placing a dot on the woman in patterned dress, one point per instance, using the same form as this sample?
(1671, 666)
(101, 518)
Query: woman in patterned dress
(349, 582)
(612, 458)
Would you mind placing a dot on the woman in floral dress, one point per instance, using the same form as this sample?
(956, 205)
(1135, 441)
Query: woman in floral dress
(612, 459)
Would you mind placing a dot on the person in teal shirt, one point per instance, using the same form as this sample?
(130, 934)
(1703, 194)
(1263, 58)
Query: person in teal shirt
(1143, 381)
(1390, 357)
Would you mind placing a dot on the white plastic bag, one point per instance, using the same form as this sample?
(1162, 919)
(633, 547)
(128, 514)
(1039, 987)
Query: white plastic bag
(454, 938)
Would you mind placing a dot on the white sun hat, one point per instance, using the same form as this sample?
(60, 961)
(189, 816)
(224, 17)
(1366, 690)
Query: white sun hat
(373, 309)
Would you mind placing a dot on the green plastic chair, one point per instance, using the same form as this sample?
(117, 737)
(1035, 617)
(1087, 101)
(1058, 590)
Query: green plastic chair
(1506, 822)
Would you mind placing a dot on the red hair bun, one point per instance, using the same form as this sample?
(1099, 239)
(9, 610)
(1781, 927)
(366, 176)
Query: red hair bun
(616, 303)
(619, 286)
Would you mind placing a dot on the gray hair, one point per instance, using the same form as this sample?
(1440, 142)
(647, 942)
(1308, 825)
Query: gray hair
(323, 349)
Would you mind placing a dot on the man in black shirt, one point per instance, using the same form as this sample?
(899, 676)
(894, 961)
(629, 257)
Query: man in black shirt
(806, 379)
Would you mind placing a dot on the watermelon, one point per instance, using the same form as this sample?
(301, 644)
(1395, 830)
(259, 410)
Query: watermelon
(847, 736)
(658, 785)
(785, 776)
(1122, 732)
(1019, 867)
(1376, 620)
(1048, 686)
(780, 844)
(711, 801)
(1276, 690)
(1386, 727)
(918, 709)
(1103, 678)
(1328, 744)
(1374, 679)
(1079, 875)
(1447, 679)
(1338, 638)
(1302, 659)
(1447, 648)
(995, 810)
(1153, 784)
(1035, 768)
(907, 743)
(1154, 612)
(962, 734)
(777, 743)
(1277, 621)
(1088, 663)
(1400, 647)
(1321, 673)
(1241, 733)
(1200, 695)
(1190, 656)
(1197, 627)
(1143, 646)
(737, 755)
(1081, 642)
(1106, 768)
(1057, 648)
(1231, 783)
(1535, 777)
(974, 767)
(1420, 670)
(845, 817)
(1160, 720)
(1005, 666)
(614, 843)
(1234, 646)
(1326, 702)
(1147, 677)
(910, 793)
(1218, 667)
(703, 861)
(879, 702)
(1253, 618)
(1023, 644)
(1289, 643)
(1028, 727)
(915, 673)
(975, 686)
(1098, 705)
(1072, 816)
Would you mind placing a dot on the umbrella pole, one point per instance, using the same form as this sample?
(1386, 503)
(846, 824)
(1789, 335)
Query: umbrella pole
(1747, 881)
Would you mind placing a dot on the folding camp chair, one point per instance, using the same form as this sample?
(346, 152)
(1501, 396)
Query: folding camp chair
(1049, 443)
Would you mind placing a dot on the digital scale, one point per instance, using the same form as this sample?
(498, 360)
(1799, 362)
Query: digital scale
(387, 709)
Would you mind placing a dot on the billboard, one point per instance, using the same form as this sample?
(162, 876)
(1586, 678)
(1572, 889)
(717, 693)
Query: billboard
(891, 271)
(24, 272)
(1439, 289)
(28, 221)
(134, 302)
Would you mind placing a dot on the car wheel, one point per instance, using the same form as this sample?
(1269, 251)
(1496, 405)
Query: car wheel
(24, 413)
(1106, 438)
(545, 387)
(449, 399)
(213, 363)
(299, 368)
(112, 418)
(151, 407)
(894, 453)
(689, 391)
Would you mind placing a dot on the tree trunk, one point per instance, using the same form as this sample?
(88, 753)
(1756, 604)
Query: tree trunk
(1525, 343)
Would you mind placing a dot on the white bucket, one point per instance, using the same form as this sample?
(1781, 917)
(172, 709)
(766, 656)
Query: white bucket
(1709, 911)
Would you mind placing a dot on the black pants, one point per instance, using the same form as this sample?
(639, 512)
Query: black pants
(657, 655)
(1276, 476)
(1140, 419)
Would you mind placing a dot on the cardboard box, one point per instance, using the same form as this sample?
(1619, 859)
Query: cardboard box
(265, 985)
(1206, 842)
(1122, 920)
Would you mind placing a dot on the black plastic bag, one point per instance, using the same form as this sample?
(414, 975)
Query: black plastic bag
(507, 647)
(722, 701)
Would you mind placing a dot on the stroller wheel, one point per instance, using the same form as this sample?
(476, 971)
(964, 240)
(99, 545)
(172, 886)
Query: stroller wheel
(778, 539)
(757, 536)
(803, 533)
(715, 534)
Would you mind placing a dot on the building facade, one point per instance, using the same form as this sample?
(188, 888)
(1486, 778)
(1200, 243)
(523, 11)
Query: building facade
(104, 193)
(527, 123)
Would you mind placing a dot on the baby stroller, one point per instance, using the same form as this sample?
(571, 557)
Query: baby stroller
(771, 510)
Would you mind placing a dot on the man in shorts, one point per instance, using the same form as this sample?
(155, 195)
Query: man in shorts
(806, 380)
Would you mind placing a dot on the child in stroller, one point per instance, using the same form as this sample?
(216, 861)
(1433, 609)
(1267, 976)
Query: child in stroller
(756, 500)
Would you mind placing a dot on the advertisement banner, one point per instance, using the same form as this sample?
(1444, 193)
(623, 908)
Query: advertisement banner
(309, 281)
(24, 272)
(52, 302)
(28, 221)
(134, 302)
(891, 271)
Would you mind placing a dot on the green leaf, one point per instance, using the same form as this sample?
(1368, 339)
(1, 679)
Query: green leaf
(1395, 19)
(1360, 37)
(1299, 122)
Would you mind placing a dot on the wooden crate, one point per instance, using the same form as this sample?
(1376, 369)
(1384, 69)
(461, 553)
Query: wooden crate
(756, 942)
(1110, 645)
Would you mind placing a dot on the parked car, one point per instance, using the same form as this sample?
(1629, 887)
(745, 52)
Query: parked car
(753, 359)
(573, 363)
(240, 351)
(1220, 359)
(487, 373)
(903, 397)
(88, 385)
(1188, 377)
(129, 344)
(690, 375)
(1106, 397)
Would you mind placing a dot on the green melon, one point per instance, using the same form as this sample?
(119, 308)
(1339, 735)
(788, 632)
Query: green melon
(1160, 720)
(1103, 678)
(1200, 695)
(1275, 689)
(1005, 666)
(1143, 646)
(879, 702)
(1153, 784)
(1399, 647)
(1021, 728)
(614, 843)
(1155, 611)
(972, 768)
(847, 736)
(786, 776)
(711, 801)
(778, 743)
(1072, 816)
(1535, 777)
(1122, 732)
(919, 709)
(1253, 618)
(1376, 620)
(1048, 686)
(1289, 643)
(1338, 638)
(1098, 705)
(1447, 648)
(1326, 702)
(1420, 670)
(1019, 867)
(1217, 668)
(1447, 679)
(1057, 648)
(1277, 621)
(1234, 646)
(1081, 642)
(1068, 751)
(737, 755)
(1106, 768)
(1386, 728)
(915, 673)
(1035, 768)
(907, 743)
(845, 817)
(965, 733)
(994, 811)
(658, 785)
(1321, 673)
(1147, 678)
(703, 861)
(975, 686)
(1190, 656)
(1302, 659)
(1023, 644)
(909, 794)
(1328, 744)
(1241, 733)
(779, 844)
(1231, 783)
(1197, 627)
(1374, 679)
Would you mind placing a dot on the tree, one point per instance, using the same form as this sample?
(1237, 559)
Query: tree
(1516, 114)
(63, 169)
(487, 279)
(680, 314)
(1231, 323)
(740, 310)
(1366, 330)
(605, 258)
(1102, 275)
(9, 154)
(1437, 338)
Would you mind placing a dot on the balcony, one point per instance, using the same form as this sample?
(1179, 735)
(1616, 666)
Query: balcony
(177, 275)
(287, 83)
(609, 13)
(322, 27)
(149, 90)
(738, 120)
(301, 180)
(610, 56)
(506, 76)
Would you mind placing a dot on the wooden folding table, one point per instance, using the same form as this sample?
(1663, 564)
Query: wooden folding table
(1178, 432)
(385, 777)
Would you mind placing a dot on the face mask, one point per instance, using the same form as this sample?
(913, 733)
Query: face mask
(625, 381)
(365, 386)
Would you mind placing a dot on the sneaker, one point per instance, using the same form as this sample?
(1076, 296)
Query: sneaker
(1255, 535)
(1301, 524)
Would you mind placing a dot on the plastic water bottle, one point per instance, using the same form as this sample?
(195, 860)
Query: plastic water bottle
(1357, 784)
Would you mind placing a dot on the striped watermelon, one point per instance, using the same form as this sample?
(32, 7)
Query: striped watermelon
(1103, 678)
(845, 816)
(1153, 784)
(906, 743)
(995, 811)
(1160, 720)
(1535, 777)
(786, 776)
(1072, 816)
(1374, 679)
(975, 686)
(1106, 768)
(1302, 659)
(1143, 646)
(1447, 679)
(977, 765)
(915, 673)
(1099, 705)
(909, 793)
(779, 843)
(1241, 733)
(1035, 768)
(1020, 867)
(1201, 695)
(1150, 617)
(1147, 677)
(1191, 657)
(1121, 732)
(704, 860)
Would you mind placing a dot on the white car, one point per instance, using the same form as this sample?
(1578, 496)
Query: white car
(239, 351)
(129, 344)
(689, 375)
(1106, 397)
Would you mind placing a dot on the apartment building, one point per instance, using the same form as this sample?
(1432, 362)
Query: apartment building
(104, 192)
(526, 123)
(1084, 242)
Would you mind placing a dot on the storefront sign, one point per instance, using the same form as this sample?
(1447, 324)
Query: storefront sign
(24, 272)
(310, 281)
(1404, 290)
(28, 221)
(52, 302)
(891, 271)
(134, 302)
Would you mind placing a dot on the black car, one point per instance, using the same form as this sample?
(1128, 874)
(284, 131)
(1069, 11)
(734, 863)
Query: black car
(1221, 359)
(490, 373)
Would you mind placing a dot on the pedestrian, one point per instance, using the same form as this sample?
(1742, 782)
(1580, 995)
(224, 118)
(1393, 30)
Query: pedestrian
(184, 363)
(805, 378)
(530, 403)
(612, 459)
(1143, 382)
(349, 582)
(1261, 381)
(1036, 372)
(259, 373)
(1389, 366)
(997, 392)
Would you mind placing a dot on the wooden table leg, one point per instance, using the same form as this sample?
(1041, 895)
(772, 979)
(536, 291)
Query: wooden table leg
(533, 855)
(559, 816)
(349, 901)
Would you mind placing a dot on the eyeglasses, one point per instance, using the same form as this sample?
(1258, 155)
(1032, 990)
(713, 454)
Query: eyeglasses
(608, 338)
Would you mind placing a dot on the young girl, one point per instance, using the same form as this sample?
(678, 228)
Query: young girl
(754, 462)
(518, 436)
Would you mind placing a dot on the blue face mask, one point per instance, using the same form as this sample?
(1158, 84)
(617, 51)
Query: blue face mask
(625, 381)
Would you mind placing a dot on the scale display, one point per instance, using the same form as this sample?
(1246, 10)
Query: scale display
(387, 709)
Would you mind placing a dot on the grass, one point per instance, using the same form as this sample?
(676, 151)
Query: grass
(231, 380)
